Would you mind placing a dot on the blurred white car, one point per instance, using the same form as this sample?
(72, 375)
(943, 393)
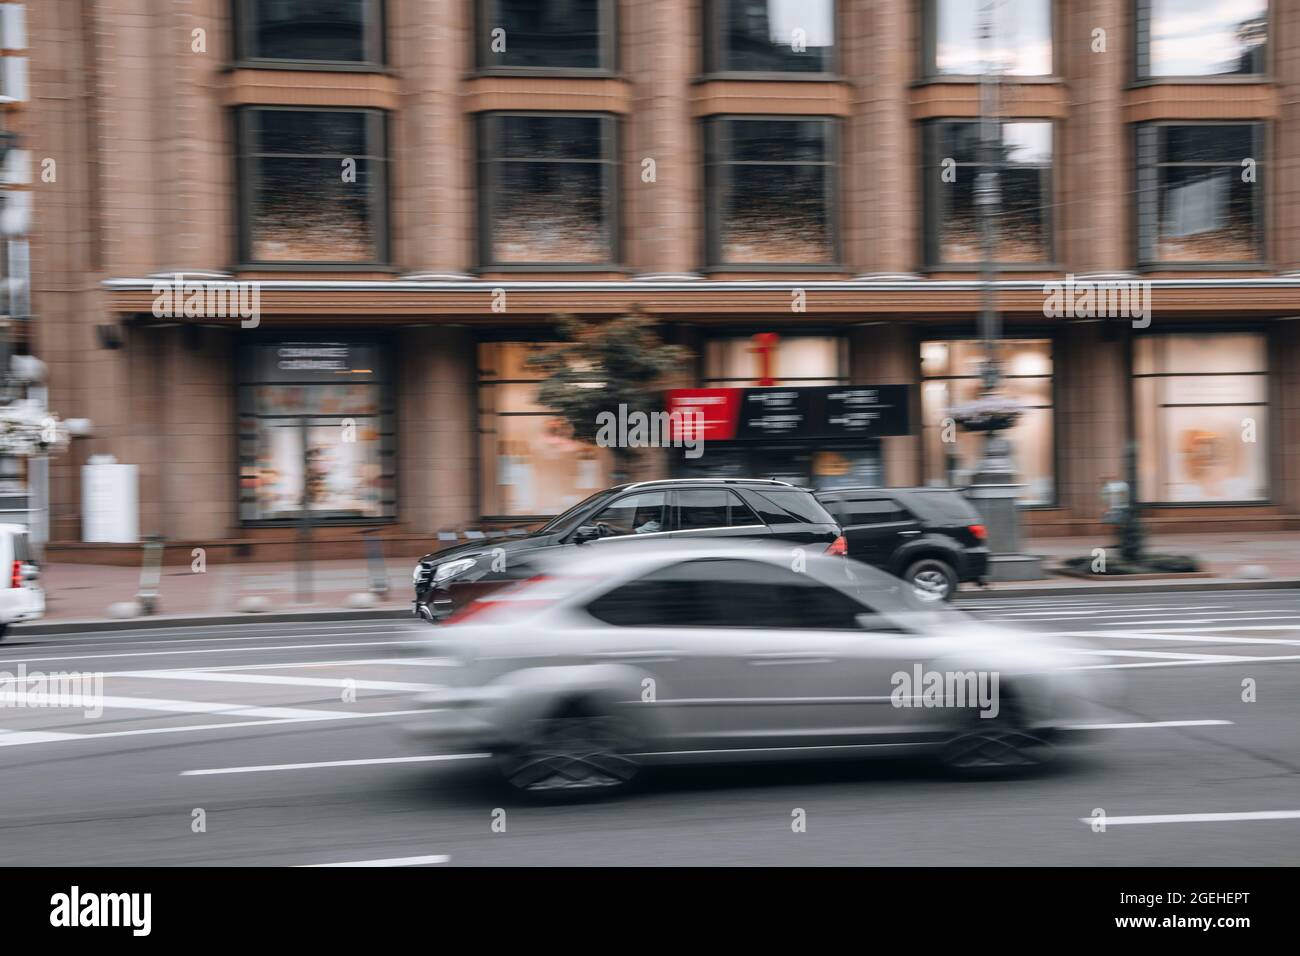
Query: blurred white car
(604, 664)
(21, 596)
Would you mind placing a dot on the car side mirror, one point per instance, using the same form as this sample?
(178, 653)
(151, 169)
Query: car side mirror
(588, 532)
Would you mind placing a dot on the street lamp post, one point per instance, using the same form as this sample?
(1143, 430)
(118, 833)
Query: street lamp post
(995, 491)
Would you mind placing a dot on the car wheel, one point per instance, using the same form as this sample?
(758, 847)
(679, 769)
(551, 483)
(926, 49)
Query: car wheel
(932, 579)
(575, 753)
(4, 627)
(996, 746)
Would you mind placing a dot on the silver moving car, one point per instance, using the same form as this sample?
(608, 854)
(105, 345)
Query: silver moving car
(578, 678)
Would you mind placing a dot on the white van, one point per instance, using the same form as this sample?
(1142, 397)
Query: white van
(21, 595)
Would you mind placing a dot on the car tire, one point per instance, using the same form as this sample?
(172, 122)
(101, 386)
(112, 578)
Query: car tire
(4, 628)
(993, 747)
(576, 752)
(932, 579)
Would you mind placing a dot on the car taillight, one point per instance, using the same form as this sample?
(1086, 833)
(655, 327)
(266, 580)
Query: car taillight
(16, 575)
(838, 547)
(979, 531)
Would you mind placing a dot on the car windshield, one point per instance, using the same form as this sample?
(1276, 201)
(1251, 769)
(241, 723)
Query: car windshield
(560, 520)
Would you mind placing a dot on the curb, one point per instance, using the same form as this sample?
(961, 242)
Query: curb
(160, 622)
(1156, 587)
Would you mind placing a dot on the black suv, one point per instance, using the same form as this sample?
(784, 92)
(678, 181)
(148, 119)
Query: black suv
(674, 508)
(931, 537)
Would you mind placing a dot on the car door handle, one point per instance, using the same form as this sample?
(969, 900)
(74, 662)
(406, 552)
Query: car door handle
(908, 534)
(777, 658)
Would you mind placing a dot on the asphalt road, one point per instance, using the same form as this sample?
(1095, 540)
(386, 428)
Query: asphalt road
(249, 725)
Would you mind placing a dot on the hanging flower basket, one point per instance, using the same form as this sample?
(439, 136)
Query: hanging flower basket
(28, 428)
(989, 413)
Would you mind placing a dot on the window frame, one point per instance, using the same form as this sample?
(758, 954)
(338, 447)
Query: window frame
(1140, 37)
(716, 180)
(487, 188)
(931, 189)
(374, 41)
(927, 54)
(246, 183)
(609, 46)
(1145, 178)
(713, 32)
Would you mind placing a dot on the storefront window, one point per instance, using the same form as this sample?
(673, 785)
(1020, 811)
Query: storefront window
(1201, 37)
(951, 376)
(1202, 417)
(1201, 192)
(1022, 38)
(772, 187)
(787, 359)
(1023, 163)
(315, 430)
(530, 465)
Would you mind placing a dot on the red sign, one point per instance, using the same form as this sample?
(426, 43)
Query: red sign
(765, 348)
(708, 414)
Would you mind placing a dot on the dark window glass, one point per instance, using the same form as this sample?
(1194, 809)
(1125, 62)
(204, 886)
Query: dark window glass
(1022, 165)
(789, 506)
(711, 508)
(348, 31)
(1202, 37)
(1021, 43)
(549, 189)
(1200, 193)
(641, 513)
(871, 511)
(550, 34)
(943, 507)
(772, 184)
(314, 186)
(773, 36)
(728, 593)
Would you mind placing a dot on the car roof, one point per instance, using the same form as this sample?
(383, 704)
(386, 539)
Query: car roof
(760, 482)
(867, 489)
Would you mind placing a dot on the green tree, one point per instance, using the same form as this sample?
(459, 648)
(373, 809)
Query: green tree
(601, 364)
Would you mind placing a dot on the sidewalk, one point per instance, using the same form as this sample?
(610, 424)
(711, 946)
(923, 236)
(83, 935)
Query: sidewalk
(84, 592)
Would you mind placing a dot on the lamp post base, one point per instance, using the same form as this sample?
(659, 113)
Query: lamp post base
(994, 494)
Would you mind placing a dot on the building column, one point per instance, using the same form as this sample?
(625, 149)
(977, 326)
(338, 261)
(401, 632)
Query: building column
(886, 354)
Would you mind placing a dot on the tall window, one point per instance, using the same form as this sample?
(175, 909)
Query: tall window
(558, 35)
(549, 189)
(950, 371)
(770, 36)
(1024, 167)
(313, 186)
(1021, 42)
(1202, 416)
(315, 431)
(1201, 38)
(326, 31)
(1201, 192)
(735, 361)
(529, 463)
(772, 186)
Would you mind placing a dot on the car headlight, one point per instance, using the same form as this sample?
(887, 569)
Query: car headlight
(417, 574)
(451, 569)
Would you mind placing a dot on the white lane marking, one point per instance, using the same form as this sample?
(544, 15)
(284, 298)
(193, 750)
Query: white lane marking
(1267, 659)
(1196, 817)
(13, 738)
(366, 762)
(392, 861)
(1178, 638)
(1145, 724)
(217, 650)
(192, 635)
(1166, 655)
(284, 679)
(233, 725)
(337, 662)
(1189, 621)
(1097, 612)
(43, 699)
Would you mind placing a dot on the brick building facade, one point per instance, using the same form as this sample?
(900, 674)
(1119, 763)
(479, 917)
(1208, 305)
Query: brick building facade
(708, 163)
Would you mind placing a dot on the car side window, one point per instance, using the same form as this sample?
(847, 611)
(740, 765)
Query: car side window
(640, 513)
(711, 508)
(857, 511)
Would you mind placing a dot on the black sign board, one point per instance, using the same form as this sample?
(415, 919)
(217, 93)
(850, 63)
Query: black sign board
(828, 411)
